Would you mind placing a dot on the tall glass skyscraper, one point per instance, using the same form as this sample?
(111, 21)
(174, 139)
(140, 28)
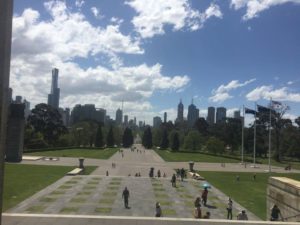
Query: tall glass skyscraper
(53, 97)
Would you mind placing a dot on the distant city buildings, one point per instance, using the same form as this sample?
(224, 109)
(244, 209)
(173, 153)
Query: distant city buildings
(221, 114)
(180, 109)
(27, 111)
(88, 112)
(193, 114)
(165, 117)
(157, 121)
(211, 112)
(126, 120)
(119, 117)
(53, 97)
(237, 114)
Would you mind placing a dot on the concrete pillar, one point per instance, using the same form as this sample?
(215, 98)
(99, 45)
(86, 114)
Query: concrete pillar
(6, 10)
(81, 161)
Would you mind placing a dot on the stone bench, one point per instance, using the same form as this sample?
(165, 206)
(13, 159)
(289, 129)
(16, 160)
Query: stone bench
(75, 171)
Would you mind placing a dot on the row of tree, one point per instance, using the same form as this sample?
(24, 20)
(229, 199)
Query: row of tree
(226, 136)
(44, 128)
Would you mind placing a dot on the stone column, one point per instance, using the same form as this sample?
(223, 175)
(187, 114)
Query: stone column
(81, 161)
(15, 133)
(6, 11)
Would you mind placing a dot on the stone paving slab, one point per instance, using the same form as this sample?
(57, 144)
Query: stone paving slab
(99, 195)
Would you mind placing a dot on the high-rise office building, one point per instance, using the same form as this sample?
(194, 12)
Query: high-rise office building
(237, 114)
(134, 121)
(53, 97)
(157, 121)
(193, 114)
(180, 110)
(211, 115)
(27, 111)
(165, 117)
(119, 117)
(18, 99)
(221, 114)
(126, 120)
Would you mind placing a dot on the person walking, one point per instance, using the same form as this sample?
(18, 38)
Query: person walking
(197, 202)
(173, 180)
(242, 215)
(229, 209)
(125, 196)
(204, 196)
(158, 212)
(198, 213)
(182, 173)
(275, 213)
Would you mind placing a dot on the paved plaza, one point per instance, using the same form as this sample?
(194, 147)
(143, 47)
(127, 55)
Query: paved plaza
(98, 194)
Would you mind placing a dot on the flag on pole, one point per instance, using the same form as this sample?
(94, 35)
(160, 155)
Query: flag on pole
(250, 111)
(262, 109)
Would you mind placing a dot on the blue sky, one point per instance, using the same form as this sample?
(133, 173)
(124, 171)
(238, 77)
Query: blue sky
(152, 53)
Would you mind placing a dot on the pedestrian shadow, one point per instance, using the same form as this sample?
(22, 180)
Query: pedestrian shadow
(211, 206)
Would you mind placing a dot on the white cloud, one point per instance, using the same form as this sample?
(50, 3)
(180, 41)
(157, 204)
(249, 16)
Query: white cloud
(79, 3)
(222, 92)
(39, 45)
(254, 7)
(153, 15)
(96, 13)
(267, 92)
(290, 82)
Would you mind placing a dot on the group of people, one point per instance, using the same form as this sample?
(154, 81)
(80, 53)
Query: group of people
(275, 211)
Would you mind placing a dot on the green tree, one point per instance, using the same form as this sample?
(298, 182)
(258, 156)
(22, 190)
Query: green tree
(164, 140)
(147, 138)
(157, 135)
(48, 122)
(193, 141)
(127, 138)
(110, 140)
(175, 142)
(202, 126)
(99, 137)
(215, 145)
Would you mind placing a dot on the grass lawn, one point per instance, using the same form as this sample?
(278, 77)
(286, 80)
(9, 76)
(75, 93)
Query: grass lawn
(202, 157)
(77, 153)
(22, 181)
(250, 194)
(196, 157)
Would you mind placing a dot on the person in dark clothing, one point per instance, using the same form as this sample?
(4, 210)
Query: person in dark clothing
(229, 209)
(197, 202)
(275, 213)
(173, 180)
(125, 196)
(158, 212)
(204, 196)
(182, 173)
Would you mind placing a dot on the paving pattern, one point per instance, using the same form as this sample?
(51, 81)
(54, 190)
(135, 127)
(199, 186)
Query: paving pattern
(99, 195)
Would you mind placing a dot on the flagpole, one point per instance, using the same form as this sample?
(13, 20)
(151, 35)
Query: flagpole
(254, 141)
(270, 125)
(243, 124)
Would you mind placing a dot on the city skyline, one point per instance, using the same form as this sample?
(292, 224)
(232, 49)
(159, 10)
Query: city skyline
(152, 67)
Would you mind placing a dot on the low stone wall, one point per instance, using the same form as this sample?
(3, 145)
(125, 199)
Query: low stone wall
(285, 193)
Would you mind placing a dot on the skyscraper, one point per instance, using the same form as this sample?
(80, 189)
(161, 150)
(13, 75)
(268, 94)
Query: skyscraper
(156, 121)
(211, 115)
(53, 97)
(126, 120)
(180, 110)
(165, 117)
(221, 114)
(193, 114)
(119, 117)
(237, 114)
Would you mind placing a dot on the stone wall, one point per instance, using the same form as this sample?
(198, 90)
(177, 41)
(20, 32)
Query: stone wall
(285, 193)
